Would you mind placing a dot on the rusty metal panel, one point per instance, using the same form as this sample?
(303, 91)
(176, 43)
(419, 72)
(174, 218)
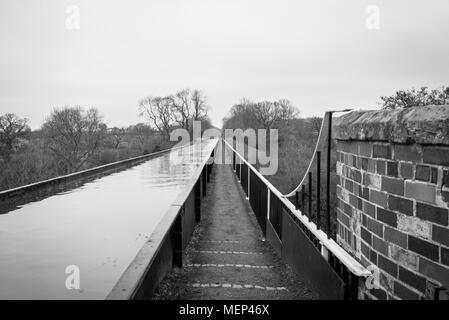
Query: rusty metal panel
(306, 260)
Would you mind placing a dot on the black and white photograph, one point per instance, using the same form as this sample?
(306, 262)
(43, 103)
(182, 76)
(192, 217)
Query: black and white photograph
(218, 158)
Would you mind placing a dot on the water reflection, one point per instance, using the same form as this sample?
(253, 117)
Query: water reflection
(99, 227)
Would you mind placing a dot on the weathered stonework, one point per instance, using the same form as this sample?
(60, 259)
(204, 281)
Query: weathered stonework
(393, 196)
(421, 125)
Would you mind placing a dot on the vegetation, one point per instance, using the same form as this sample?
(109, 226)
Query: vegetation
(13, 130)
(175, 111)
(414, 98)
(73, 138)
(297, 136)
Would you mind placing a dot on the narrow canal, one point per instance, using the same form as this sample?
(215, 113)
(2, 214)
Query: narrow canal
(98, 227)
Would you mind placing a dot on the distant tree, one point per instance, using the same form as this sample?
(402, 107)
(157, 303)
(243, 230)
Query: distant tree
(182, 107)
(159, 112)
(287, 111)
(315, 123)
(74, 135)
(177, 110)
(200, 107)
(265, 114)
(141, 133)
(414, 98)
(117, 135)
(241, 116)
(12, 129)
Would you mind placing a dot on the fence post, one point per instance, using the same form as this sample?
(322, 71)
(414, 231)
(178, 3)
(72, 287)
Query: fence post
(303, 198)
(310, 195)
(296, 200)
(204, 178)
(208, 170)
(240, 171)
(177, 239)
(318, 189)
(328, 176)
(268, 204)
(198, 201)
(248, 169)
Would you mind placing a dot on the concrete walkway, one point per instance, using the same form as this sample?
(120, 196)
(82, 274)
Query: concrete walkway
(227, 257)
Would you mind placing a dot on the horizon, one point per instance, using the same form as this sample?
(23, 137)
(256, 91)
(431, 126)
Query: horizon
(318, 55)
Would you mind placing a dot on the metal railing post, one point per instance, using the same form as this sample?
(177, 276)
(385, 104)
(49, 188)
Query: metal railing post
(310, 195)
(198, 201)
(204, 181)
(240, 171)
(296, 200)
(268, 204)
(177, 239)
(318, 190)
(248, 169)
(303, 198)
(328, 176)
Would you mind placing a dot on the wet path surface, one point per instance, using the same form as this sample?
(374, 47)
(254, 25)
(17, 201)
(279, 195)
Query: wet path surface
(227, 257)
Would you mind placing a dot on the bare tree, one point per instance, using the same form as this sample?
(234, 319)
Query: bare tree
(182, 108)
(12, 129)
(141, 133)
(287, 111)
(74, 135)
(315, 123)
(159, 111)
(200, 107)
(117, 135)
(265, 113)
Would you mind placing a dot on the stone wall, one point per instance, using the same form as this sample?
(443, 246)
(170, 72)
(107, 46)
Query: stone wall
(393, 197)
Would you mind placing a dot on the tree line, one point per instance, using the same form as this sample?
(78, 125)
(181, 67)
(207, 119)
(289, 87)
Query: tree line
(76, 138)
(177, 110)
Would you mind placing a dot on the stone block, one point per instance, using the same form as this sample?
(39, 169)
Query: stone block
(392, 169)
(414, 226)
(423, 248)
(420, 191)
(388, 217)
(402, 205)
(436, 155)
(379, 198)
(381, 151)
(406, 170)
(432, 214)
(392, 185)
(440, 235)
(412, 279)
(404, 257)
(434, 271)
(394, 236)
(422, 173)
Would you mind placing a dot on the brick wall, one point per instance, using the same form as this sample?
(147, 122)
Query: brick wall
(392, 203)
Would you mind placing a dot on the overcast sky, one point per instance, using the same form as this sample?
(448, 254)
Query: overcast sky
(318, 54)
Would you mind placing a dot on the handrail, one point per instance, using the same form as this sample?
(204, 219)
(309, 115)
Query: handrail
(352, 264)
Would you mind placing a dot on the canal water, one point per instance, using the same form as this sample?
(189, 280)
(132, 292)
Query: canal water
(98, 227)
